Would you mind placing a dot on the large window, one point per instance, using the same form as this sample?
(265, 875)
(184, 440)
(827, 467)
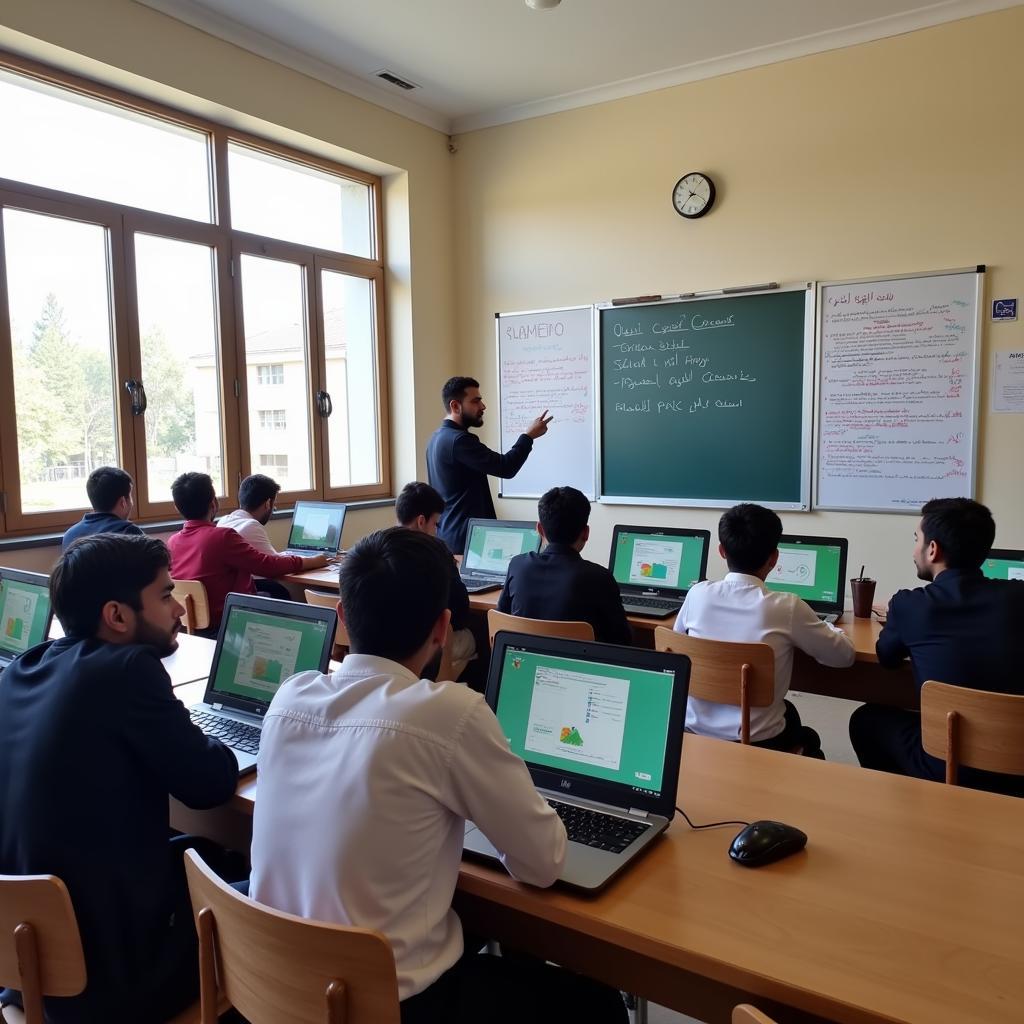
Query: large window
(149, 321)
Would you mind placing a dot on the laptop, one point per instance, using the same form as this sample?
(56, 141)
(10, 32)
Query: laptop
(316, 528)
(655, 566)
(813, 568)
(600, 728)
(490, 545)
(25, 612)
(260, 644)
(1004, 564)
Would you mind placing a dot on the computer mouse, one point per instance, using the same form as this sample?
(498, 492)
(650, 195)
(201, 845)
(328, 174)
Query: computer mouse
(764, 842)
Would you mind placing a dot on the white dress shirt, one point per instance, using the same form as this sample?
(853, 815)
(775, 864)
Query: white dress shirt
(365, 779)
(740, 608)
(251, 530)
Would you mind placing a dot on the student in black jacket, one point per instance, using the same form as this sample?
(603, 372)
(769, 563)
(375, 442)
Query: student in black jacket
(92, 743)
(558, 583)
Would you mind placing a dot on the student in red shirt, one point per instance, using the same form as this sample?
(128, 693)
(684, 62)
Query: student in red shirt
(220, 559)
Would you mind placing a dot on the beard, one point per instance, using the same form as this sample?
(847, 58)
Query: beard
(469, 420)
(165, 642)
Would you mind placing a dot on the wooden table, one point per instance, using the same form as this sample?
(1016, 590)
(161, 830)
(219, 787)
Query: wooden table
(906, 905)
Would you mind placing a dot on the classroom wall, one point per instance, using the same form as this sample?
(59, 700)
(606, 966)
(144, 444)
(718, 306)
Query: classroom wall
(892, 157)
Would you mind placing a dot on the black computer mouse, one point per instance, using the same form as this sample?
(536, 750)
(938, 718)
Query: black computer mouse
(763, 842)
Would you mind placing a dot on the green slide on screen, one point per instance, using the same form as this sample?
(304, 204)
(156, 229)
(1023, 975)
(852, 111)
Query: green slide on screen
(23, 611)
(650, 560)
(810, 571)
(492, 548)
(1003, 569)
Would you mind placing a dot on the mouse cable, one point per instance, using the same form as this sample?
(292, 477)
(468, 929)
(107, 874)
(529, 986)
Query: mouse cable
(711, 824)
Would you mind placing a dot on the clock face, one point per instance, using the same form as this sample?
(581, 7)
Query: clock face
(693, 195)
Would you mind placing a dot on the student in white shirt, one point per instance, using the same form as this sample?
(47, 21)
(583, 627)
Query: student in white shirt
(257, 495)
(740, 608)
(366, 778)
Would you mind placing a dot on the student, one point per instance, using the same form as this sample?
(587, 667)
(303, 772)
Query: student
(961, 629)
(391, 767)
(110, 493)
(220, 559)
(458, 462)
(558, 583)
(256, 497)
(740, 608)
(94, 743)
(419, 507)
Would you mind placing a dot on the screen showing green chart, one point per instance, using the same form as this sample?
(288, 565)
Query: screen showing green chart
(1003, 568)
(605, 721)
(261, 651)
(658, 560)
(23, 612)
(810, 571)
(492, 546)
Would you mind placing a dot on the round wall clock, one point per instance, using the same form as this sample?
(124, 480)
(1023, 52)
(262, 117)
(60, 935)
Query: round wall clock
(693, 195)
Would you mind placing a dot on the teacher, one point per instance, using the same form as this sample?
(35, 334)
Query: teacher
(458, 462)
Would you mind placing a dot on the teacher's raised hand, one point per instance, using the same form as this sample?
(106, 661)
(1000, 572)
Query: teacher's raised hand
(539, 427)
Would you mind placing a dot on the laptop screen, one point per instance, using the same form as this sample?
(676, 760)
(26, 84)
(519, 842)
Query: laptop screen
(24, 613)
(316, 526)
(260, 650)
(1004, 565)
(658, 560)
(492, 544)
(607, 722)
(812, 571)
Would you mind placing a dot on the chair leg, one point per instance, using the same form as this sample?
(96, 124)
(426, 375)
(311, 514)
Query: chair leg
(637, 1007)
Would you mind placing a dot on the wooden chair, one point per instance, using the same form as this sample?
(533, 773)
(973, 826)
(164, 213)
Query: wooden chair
(974, 728)
(747, 1014)
(326, 600)
(725, 672)
(498, 621)
(192, 595)
(275, 967)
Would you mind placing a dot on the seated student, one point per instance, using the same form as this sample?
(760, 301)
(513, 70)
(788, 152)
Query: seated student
(419, 507)
(558, 583)
(94, 742)
(256, 497)
(962, 629)
(110, 494)
(391, 767)
(739, 608)
(220, 559)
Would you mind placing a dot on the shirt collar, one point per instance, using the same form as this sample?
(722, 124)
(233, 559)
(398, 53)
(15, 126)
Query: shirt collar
(562, 549)
(745, 578)
(363, 665)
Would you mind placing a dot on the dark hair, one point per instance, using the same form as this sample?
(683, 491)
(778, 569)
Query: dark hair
(394, 585)
(106, 486)
(256, 489)
(192, 494)
(417, 499)
(455, 390)
(564, 513)
(963, 529)
(749, 533)
(100, 568)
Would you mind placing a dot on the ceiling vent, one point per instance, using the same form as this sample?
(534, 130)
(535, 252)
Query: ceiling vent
(402, 83)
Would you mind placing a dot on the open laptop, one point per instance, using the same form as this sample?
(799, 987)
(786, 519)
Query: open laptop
(1004, 564)
(600, 728)
(813, 568)
(655, 566)
(490, 545)
(25, 612)
(316, 528)
(260, 644)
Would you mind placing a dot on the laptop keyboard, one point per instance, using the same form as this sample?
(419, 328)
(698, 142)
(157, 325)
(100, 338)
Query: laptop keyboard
(601, 831)
(651, 604)
(235, 734)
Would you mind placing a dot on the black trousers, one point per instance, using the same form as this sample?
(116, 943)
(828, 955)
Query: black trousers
(889, 740)
(794, 734)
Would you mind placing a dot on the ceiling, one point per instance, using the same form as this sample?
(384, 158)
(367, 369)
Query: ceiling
(484, 62)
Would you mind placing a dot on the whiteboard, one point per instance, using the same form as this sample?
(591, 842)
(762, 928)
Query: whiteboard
(898, 389)
(546, 361)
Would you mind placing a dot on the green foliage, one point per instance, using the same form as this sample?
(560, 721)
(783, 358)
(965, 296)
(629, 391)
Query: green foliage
(171, 409)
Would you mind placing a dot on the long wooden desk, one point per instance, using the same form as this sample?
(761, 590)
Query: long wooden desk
(906, 905)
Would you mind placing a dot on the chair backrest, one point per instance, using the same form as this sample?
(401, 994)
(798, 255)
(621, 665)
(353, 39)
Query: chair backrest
(497, 621)
(747, 1014)
(725, 672)
(273, 966)
(40, 948)
(192, 595)
(325, 600)
(974, 728)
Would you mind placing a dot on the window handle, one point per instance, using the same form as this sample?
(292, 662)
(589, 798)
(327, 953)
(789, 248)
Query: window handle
(137, 393)
(324, 404)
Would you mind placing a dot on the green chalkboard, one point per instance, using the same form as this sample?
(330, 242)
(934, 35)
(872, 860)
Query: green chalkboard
(708, 401)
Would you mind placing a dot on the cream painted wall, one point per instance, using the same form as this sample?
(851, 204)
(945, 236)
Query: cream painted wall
(898, 156)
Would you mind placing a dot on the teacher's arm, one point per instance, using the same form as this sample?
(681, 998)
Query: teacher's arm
(472, 452)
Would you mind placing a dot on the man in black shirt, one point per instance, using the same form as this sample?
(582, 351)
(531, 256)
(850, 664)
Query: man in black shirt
(458, 462)
(962, 629)
(93, 742)
(110, 492)
(558, 583)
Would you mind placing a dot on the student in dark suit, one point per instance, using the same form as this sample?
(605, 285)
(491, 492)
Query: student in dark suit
(110, 494)
(558, 583)
(93, 742)
(961, 629)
